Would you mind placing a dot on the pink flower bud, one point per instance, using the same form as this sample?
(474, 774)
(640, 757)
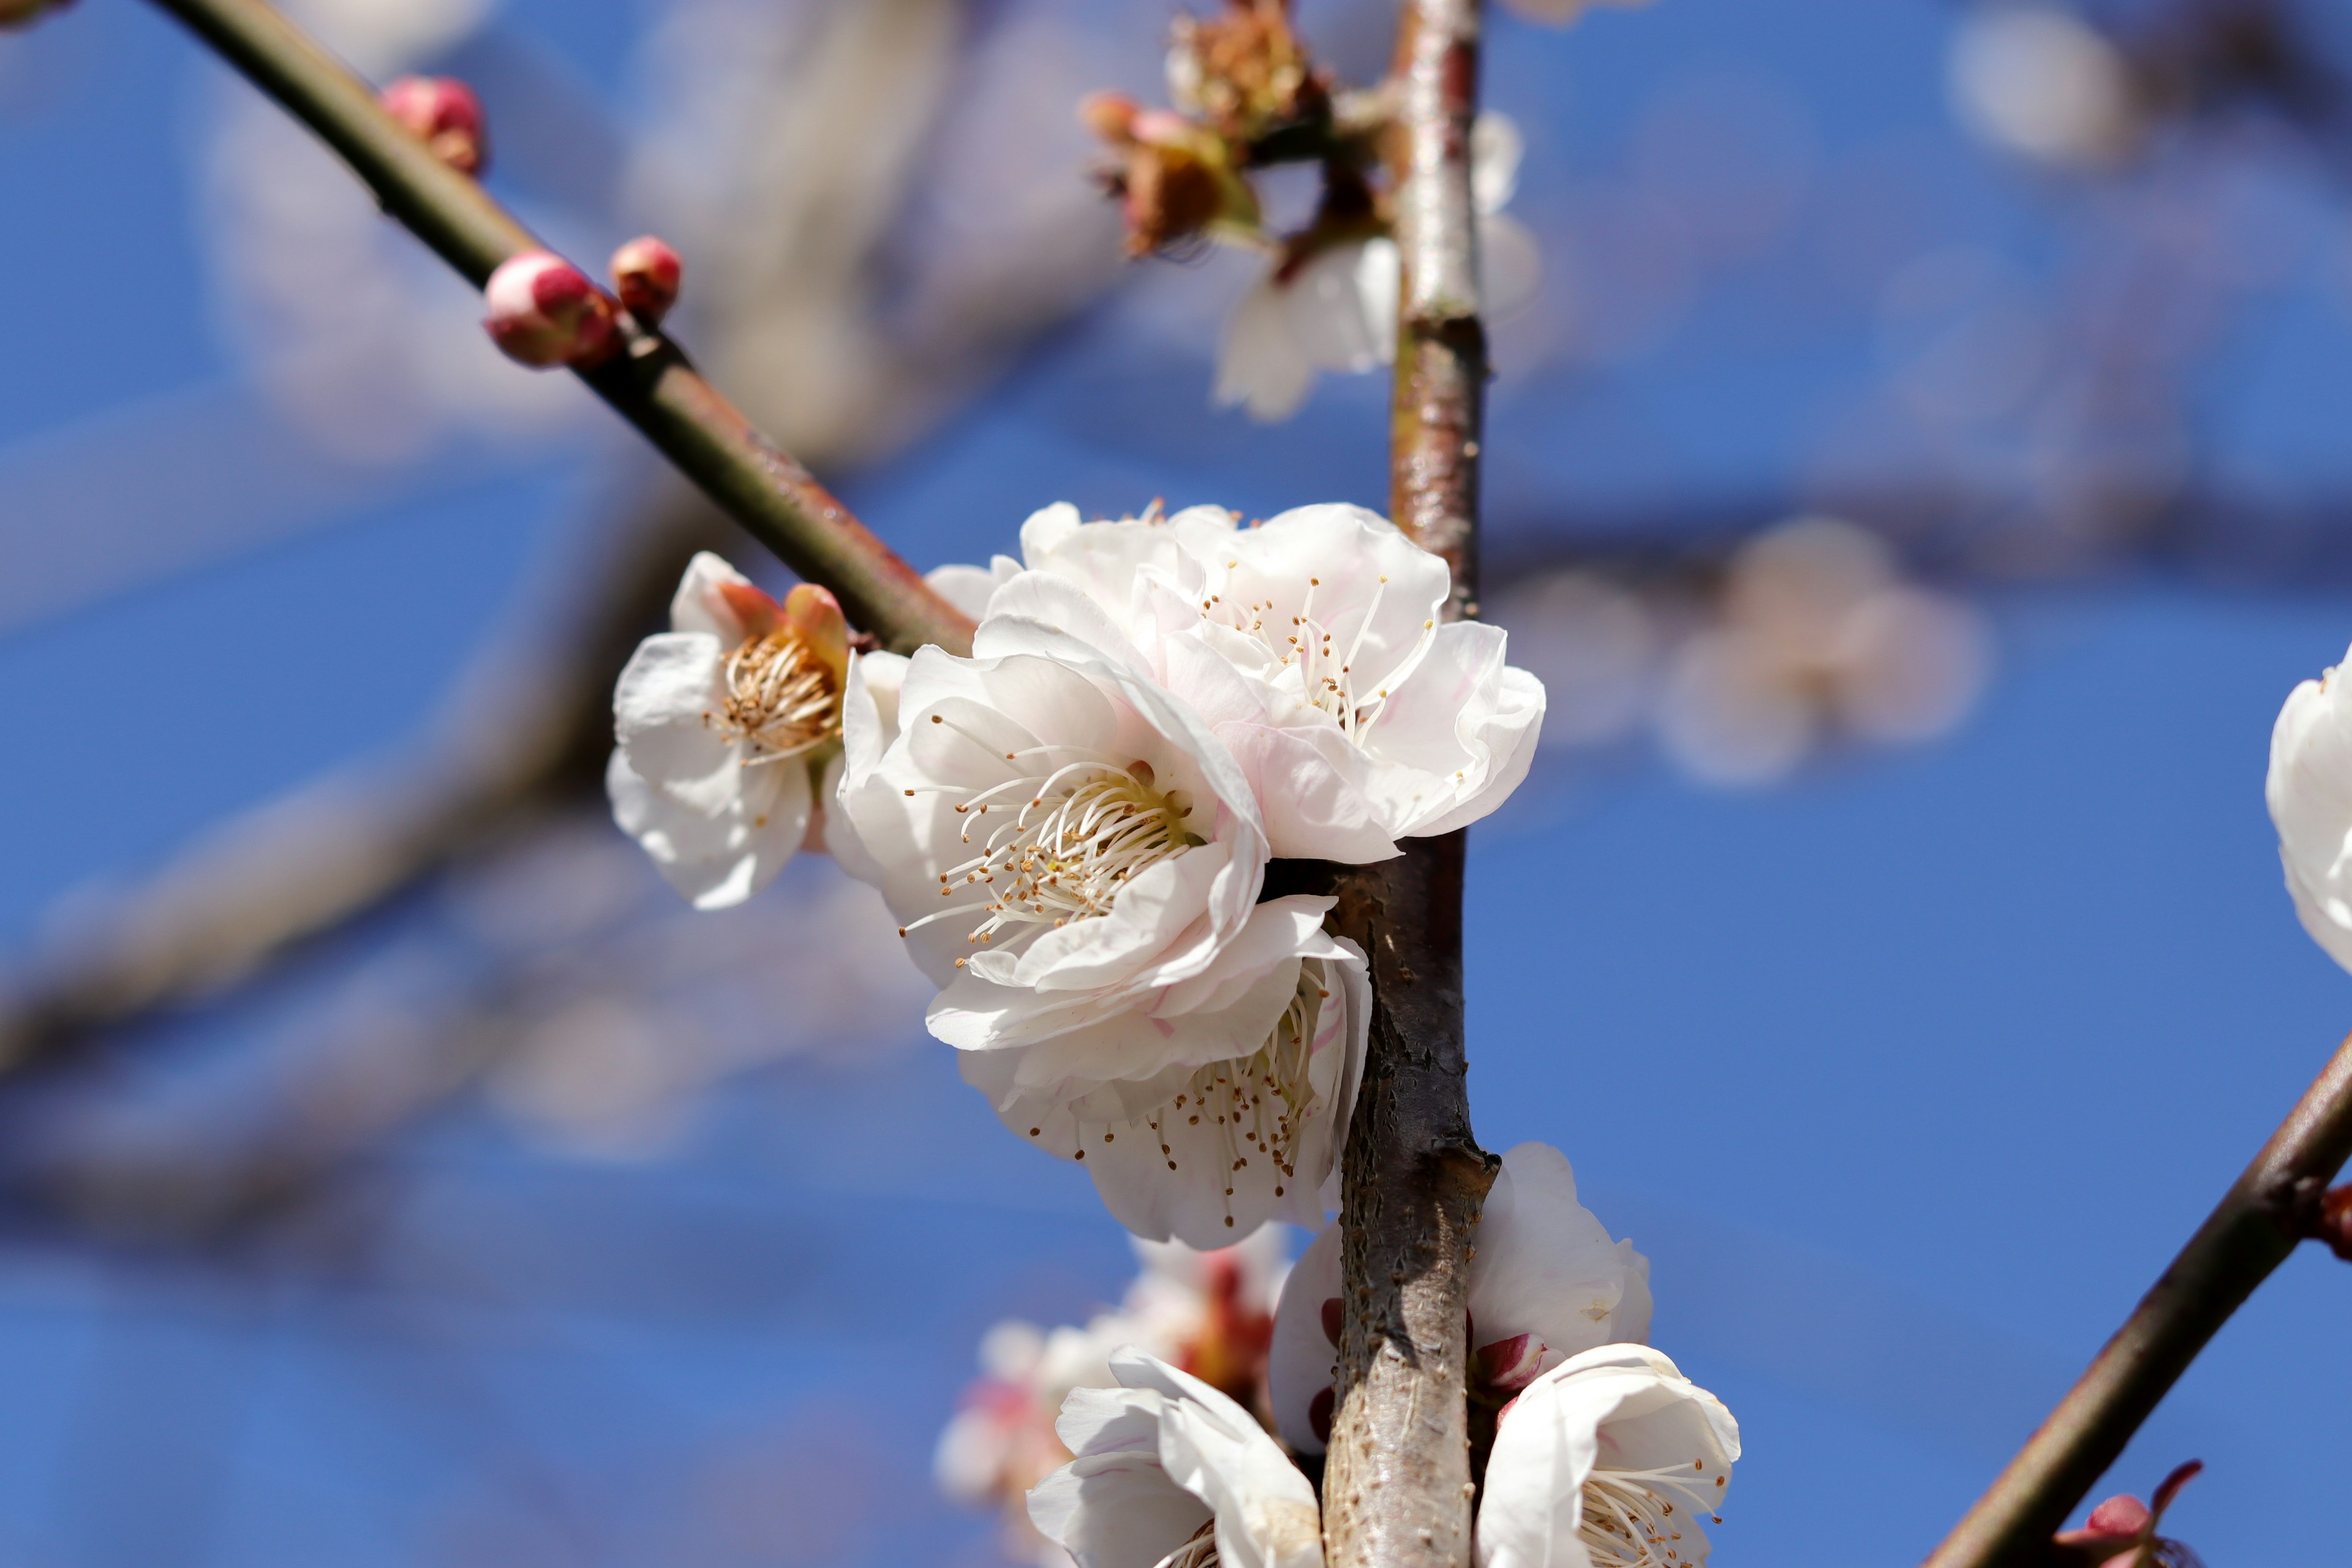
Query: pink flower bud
(442, 113)
(646, 274)
(544, 311)
(1109, 115)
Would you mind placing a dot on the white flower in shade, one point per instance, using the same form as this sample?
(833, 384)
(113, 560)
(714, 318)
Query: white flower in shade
(1545, 1283)
(1332, 305)
(728, 725)
(2310, 794)
(1170, 1473)
(1209, 1314)
(1608, 1460)
(1076, 860)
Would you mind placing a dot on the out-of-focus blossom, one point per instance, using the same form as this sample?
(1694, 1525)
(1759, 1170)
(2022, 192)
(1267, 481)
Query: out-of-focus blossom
(2121, 1531)
(1208, 1313)
(1545, 1283)
(1243, 71)
(1167, 1472)
(442, 112)
(1594, 644)
(542, 311)
(1818, 634)
(726, 723)
(1330, 301)
(2310, 793)
(1075, 859)
(1174, 179)
(2039, 81)
(1560, 13)
(647, 274)
(1608, 1460)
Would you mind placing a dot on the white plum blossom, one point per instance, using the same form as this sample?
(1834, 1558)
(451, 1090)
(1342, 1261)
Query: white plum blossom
(1170, 1473)
(1075, 861)
(2310, 794)
(729, 727)
(1545, 1283)
(1329, 302)
(1207, 1313)
(1310, 647)
(1608, 1460)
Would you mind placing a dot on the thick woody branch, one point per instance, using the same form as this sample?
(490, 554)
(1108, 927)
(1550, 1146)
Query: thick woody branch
(1397, 1486)
(650, 384)
(2265, 1216)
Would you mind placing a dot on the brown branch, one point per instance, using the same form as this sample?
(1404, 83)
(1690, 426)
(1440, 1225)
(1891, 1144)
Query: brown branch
(2270, 1209)
(1397, 1486)
(649, 384)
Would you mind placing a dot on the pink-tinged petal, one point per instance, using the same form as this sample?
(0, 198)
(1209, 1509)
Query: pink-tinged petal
(702, 604)
(1506, 1366)
(815, 615)
(1303, 1358)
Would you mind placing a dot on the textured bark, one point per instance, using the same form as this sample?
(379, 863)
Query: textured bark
(2265, 1216)
(1397, 1486)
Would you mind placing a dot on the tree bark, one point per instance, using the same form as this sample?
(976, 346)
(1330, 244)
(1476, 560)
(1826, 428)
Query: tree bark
(1397, 1487)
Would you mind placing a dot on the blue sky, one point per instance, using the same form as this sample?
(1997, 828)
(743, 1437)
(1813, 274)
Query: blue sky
(1909, 1077)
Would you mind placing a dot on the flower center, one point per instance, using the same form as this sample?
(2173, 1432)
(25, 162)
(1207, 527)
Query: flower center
(1327, 674)
(1200, 1552)
(781, 700)
(1065, 841)
(1630, 1522)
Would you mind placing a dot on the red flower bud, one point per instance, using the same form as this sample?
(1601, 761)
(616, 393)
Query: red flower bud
(442, 112)
(646, 274)
(544, 312)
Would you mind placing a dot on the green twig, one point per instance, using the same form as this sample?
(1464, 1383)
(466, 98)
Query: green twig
(650, 384)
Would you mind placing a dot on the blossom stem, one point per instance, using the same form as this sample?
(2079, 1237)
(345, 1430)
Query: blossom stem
(2269, 1210)
(1397, 1484)
(649, 383)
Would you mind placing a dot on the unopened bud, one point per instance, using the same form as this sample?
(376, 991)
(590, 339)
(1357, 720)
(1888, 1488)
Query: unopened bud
(2335, 1224)
(442, 112)
(646, 275)
(25, 13)
(1109, 115)
(544, 312)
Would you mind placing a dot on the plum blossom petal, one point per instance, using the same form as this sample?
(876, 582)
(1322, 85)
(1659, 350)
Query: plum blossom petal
(2310, 794)
(1167, 1470)
(726, 726)
(1608, 1460)
(1545, 1283)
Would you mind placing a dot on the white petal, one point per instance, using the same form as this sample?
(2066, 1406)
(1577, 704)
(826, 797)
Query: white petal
(718, 840)
(1510, 267)
(698, 606)
(1340, 306)
(663, 703)
(1259, 365)
(965, 588)
(1496, 148)
(1546, 1267)
(1467, 718)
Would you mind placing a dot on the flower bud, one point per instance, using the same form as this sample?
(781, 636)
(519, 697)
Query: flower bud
(2334, 1226)
(442, 112)
(1109, 115)
(646, 275)
(544, 312)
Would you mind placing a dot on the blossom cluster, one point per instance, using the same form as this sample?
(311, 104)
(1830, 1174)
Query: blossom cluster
(1073, 824)
(1603, 1453)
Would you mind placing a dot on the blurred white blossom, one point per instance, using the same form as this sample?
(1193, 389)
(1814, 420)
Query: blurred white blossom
(2039, 81)
(2310, 793)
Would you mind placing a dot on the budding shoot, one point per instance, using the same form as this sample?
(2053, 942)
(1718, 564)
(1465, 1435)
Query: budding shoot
(544, 311)
(442, 112)
(646, 274)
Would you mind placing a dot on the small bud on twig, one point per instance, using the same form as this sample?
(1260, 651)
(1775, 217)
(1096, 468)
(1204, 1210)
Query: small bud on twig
(442, 113)
(646, 274)
(544, 311)
(2333, 1225)
(2121, 1531)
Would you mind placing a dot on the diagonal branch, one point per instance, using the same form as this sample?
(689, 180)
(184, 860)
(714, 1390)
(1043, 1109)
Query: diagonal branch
(650, 384)
(2249, 1234)
(1397, 1484)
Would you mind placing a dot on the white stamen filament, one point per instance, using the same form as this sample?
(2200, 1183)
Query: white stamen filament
(1257, 1105)
(1326, 679)
(1200, 1552)
(1629, 1524)
(782, 701)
